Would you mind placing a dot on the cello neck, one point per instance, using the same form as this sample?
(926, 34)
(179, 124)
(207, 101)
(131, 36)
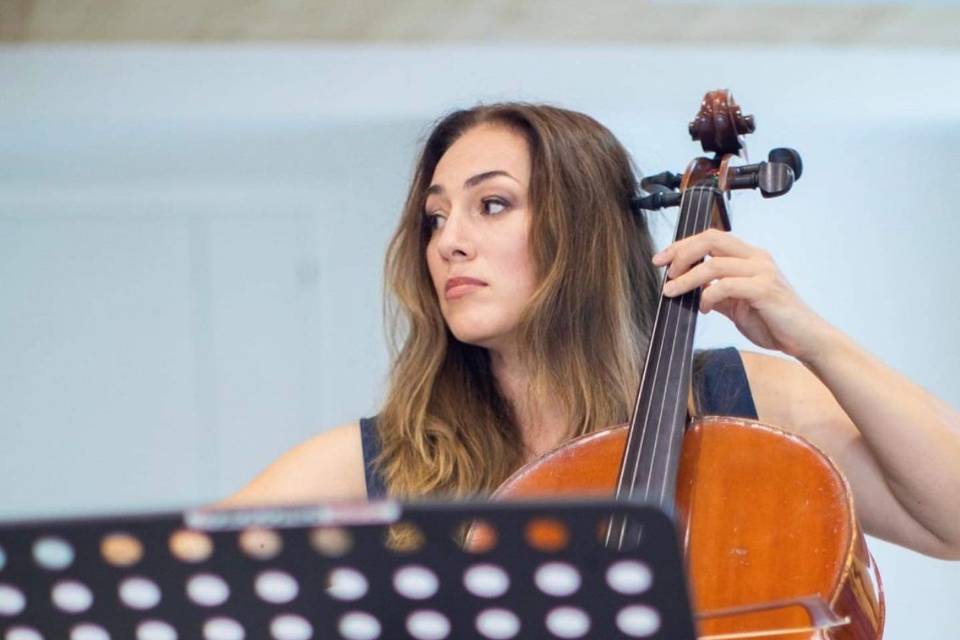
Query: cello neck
(648, 470)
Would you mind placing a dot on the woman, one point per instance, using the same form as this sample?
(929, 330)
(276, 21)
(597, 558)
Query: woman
(527, 286)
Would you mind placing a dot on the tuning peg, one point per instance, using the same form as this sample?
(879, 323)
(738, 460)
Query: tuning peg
(665, 179)
(774, 179)
(787, 156)
(659, 199)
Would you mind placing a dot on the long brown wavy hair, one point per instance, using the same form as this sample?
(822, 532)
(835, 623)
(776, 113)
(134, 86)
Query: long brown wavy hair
(444, 427)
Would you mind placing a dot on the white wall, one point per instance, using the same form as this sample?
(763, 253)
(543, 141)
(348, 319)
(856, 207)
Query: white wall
(191, 240)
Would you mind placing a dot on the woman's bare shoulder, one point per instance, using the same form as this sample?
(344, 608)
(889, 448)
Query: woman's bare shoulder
(328, 466)
(790, 396)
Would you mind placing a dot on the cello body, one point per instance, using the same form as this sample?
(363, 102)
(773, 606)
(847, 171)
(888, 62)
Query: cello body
(763, 516)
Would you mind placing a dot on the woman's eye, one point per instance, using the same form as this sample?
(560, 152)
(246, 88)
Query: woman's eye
(432, 221)
(494, 202)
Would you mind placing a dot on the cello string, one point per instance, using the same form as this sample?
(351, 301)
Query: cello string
(697, 220)
(686, 304)
(687, 348)
(649, 374)
(684, 232)
(679, 304)
(668, 324)
(629, 449)
(648, 381)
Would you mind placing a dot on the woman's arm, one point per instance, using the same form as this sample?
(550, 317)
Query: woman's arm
(898, 445)
(328, 466)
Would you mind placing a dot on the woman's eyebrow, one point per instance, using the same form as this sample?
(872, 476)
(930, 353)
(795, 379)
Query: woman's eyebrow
(473, 181)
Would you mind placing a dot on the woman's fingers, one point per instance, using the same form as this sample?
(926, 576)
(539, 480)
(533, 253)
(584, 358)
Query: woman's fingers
(708, 271)
(683, 253)
(731, 289)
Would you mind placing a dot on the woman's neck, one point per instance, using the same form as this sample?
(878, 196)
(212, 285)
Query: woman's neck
(542, 422)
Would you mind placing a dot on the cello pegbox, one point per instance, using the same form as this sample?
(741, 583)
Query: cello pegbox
(720, 123)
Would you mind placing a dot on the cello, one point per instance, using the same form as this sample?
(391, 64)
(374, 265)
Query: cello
(765, 519)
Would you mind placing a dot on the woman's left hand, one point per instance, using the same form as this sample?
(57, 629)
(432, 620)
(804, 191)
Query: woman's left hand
(743, 283)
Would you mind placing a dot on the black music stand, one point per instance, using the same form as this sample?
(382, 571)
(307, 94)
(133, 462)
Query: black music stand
(353, 571)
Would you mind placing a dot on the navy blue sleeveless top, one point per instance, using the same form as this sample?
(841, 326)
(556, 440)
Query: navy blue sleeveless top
(723, 390)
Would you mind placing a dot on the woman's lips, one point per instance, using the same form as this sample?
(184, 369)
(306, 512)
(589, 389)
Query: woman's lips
(459, 287)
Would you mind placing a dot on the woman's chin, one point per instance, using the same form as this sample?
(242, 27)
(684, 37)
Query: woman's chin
(476, 336)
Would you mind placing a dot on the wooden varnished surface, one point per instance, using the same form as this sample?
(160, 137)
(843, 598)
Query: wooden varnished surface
(763, 516)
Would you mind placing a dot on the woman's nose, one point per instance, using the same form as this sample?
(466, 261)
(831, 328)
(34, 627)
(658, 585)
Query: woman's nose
(456, 237)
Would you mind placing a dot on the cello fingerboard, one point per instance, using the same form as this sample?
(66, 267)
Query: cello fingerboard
(648, 473)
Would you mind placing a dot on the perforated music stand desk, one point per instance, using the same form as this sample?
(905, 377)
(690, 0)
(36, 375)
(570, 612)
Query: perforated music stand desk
(353, 571)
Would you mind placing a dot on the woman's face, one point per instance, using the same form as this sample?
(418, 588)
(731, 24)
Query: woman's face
(478, 252)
